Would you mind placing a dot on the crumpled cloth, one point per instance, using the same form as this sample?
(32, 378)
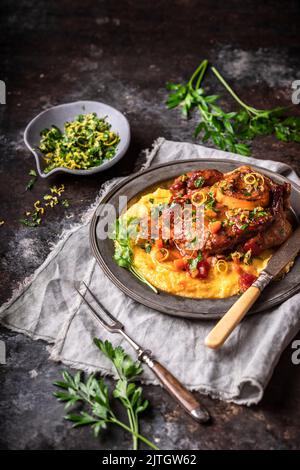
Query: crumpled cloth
(48, 308)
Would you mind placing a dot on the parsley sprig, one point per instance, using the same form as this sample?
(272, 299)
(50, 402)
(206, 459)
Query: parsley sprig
(123, 234)
(232, 131)
(94, 393)
(126, 390)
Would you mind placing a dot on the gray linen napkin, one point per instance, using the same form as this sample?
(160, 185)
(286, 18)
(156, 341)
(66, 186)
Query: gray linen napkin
(48, 308)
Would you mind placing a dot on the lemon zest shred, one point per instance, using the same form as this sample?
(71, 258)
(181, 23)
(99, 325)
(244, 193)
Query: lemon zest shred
(221, 266)
(202, 200)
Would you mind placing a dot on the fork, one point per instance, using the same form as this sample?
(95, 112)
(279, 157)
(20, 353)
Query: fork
(185, 398)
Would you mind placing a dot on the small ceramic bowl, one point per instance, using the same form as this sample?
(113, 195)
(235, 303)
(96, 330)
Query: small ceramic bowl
(58, 115)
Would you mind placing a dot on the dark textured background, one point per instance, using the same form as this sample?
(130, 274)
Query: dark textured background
(122, 53)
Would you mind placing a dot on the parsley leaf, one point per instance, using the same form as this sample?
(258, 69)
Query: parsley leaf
(193, 262)
(210, 202)
(199, 182)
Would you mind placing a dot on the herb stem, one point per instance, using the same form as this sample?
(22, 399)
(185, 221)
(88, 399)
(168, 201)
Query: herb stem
(233, 94)
(135, 424)
(133, 427)
(136, 273)
(201, 68)
(204, 114)
(201, 75)
(139, 436)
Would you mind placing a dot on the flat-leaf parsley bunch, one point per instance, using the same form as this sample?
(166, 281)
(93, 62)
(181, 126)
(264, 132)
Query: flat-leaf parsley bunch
(94, 393)
(230, 131)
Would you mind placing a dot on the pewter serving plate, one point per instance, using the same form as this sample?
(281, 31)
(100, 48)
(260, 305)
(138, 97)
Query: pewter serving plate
(204, 309)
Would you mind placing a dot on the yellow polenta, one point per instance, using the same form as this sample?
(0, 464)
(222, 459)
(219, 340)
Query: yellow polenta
(165, 277)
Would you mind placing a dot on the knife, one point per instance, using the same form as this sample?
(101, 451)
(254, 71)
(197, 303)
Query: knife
(286, 253)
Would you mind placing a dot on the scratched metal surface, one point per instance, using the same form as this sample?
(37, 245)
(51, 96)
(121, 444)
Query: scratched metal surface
(122, 53)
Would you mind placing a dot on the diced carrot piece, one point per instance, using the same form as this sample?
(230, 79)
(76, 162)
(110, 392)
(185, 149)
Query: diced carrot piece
(215, 226)
(159, 243)
(175, 254)
(179, 264)
(194, 273)
(210, 213)
(236, 267)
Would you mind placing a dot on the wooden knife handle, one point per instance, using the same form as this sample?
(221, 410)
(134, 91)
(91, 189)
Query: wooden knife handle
(178, 391)
(232, 318)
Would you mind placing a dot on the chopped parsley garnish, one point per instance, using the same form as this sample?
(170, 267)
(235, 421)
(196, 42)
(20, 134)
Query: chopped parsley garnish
(191, 244)
(35, 216)
(65, 203)
(32, 181)
(158, 210)
(85, 143)
(33, 221)
(193, 262)
(210, 202)
(258, 211)
(199, 182)
(148, 247)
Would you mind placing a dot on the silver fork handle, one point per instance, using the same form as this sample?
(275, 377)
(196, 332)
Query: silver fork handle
(185, 398)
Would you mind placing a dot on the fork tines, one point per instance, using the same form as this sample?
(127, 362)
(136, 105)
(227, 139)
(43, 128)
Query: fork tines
(104, 313)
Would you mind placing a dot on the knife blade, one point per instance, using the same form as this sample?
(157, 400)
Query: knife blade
(222, 330)
(285, 253)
